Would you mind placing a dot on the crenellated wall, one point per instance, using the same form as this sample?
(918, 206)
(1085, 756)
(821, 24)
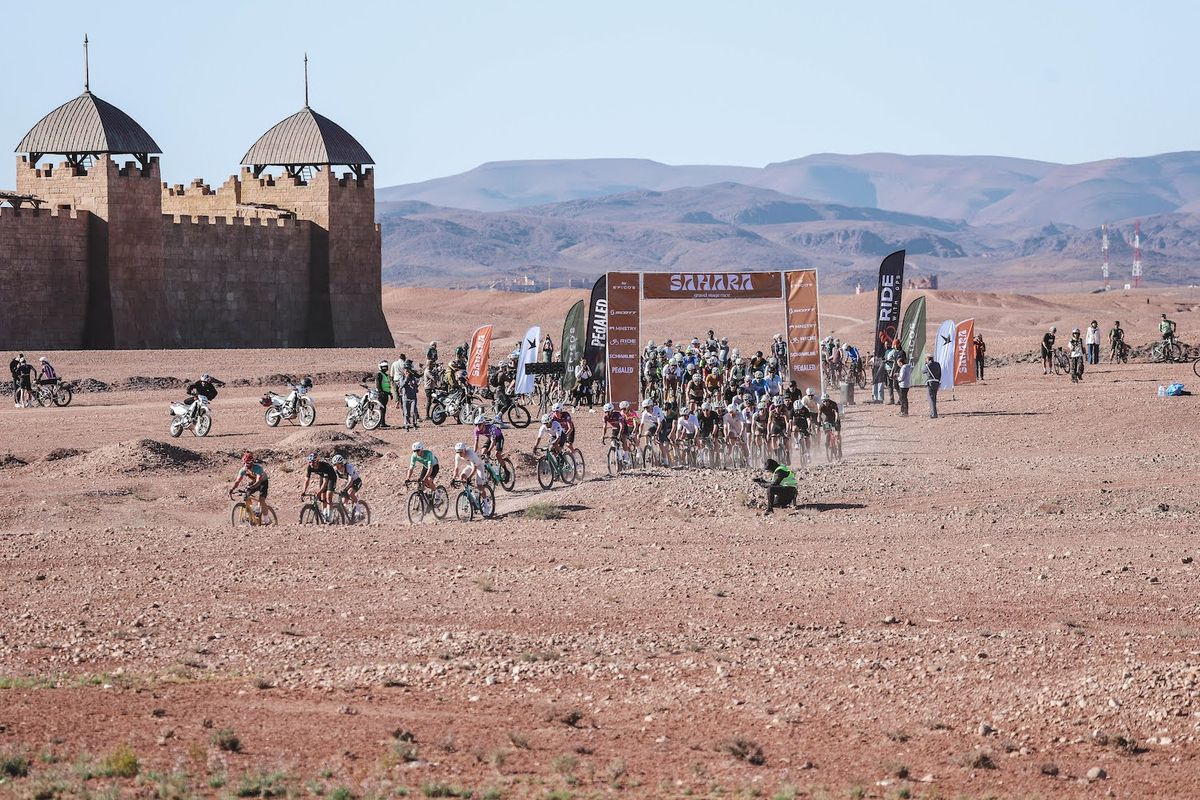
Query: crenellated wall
(43, 278)
(239, 282)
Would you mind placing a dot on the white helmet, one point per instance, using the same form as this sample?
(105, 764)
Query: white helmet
(383, 365)
(337, 459)
(624, 404)
(418, 446)
(811, 392)
(557, 407)
(432, 344)
(459, 447)
(824, 396)
(646, 403)
(773, 360)
(651, 343)
(608, 406)
(479, 420)
(706, 406)
(798, 406)
(546, 419)
(758, 373)
(778, 401)
(42, 359)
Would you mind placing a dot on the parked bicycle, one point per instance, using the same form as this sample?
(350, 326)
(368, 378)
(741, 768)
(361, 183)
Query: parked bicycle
(474, 500)
(423, 502)
(1167, 350)
(315, 512)
(48, 394)
(251, 511)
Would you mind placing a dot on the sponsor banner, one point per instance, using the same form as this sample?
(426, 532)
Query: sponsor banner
(477, 360)
(912, 338)
(803, 329)
(597, 326)
(711, 285)
(528, 355)
(624, 335)
(887, 307)
(944, 353)
(572, 343)
(964, 352)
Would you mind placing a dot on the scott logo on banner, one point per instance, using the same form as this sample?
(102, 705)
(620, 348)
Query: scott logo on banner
(712, 282)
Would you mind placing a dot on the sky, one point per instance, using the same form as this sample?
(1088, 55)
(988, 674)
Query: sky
(436, 88)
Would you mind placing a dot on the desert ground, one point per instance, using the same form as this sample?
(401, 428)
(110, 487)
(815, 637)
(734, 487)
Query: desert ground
(997, 603)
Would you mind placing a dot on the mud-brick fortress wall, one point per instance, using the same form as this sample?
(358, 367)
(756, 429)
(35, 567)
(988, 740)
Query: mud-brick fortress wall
(239, 282)
(43, 278)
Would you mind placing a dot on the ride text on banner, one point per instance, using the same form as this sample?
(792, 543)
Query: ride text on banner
(803, 329)
(477, 361)
(964, 352)
(624, 336)
(887, 307)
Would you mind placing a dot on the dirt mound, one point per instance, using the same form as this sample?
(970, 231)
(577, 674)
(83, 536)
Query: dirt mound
(9, 461)
(142, 383)
(356, 445)
(59, 453)
(319, 378)
(88, 385)
(139, 455)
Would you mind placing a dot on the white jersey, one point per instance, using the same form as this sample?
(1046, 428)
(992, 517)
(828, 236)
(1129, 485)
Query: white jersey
(470, 456)
(688, 424)
(554, 430)
(810, 403)
(733, 423)
(651, 417)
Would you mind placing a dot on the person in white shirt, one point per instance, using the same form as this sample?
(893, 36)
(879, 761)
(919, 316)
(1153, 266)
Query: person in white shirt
(1093, 343)
(554, 432)
(468, 465)
(397, 372)
(687, 426)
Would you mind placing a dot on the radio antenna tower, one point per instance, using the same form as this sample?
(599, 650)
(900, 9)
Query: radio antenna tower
(1104, 250)
(1137, 254)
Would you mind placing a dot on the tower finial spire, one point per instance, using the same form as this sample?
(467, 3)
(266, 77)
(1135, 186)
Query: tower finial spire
(306, 80)
(86, 78)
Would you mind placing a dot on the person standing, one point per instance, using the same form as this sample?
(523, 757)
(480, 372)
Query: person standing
(397, 375)
(24, 379)
(548, 349)
(904, 381)
(891, 362)
(1116, 341)
(1077, 349)
(1048, 350)
(383, 383)
(933, 381)
(980, 351)
(430, 383)
(14, 367)
(1093, 343)
(409, 390)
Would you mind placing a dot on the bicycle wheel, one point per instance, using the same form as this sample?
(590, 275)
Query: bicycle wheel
(518, 416)
(62, 397)
(1196, 367)
(569, 473)
(463, 509)
(580, 467)
(614, 462)
(359, 514)
(508, 475)
(1174, 352)
(545, 472)
(487, 502)
(416, 508)
(1157, 352)
(440, 502)
(648, 456)
(309, 515)
(240, 515)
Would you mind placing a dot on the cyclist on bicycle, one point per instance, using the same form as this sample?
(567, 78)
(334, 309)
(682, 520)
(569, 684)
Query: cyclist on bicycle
(468, 466)
(347, 472)
(1167, 328)
(429, 465)
(800, 427)
(563, 418)
(778, 418)
(829, 412)
(734, 429)
(257, 482)
(492, 434)
(554, 432)
(649, 419)
(708, 421)
(686, 427)
(1116, 340)
(630, 415)
(326, 478)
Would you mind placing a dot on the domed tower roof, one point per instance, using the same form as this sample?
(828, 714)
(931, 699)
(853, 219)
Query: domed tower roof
(307, 139)
(87, 126)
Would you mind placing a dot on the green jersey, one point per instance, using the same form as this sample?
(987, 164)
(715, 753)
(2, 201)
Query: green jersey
(424, 457)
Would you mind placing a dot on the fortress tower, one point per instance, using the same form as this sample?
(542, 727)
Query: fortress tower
(125, 264)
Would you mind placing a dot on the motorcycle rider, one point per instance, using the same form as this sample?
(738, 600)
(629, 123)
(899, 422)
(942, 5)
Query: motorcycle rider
(383, 383)
(206, 387)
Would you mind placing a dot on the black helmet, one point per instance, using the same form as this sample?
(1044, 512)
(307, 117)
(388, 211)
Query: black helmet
(306, 383)
(771, 465)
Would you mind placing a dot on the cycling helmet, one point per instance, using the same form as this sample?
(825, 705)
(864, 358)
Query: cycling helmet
(479, 420)
(418, 446)
(1075, 330)
(779, 336)
(608, 406)
(772, 360)
(811, 392)
(312, 457)
(624, 405)
(646, 403)
(383, 365)
(337, 460)
(824, 396)
(1054, 329)
(433, 344)
(42, 359)
(546, 419)
(696, 339)
(460, 446)
(706, 406)
(758, 373)
(557, 407)
(778, 401)
(247, 458)
(650, 343)
(798, 406)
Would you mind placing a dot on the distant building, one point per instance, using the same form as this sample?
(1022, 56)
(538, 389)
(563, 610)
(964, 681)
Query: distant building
(922, 282)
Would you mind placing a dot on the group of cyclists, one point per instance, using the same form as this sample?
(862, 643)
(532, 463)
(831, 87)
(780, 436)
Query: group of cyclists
(1084, 347)
(25, 376)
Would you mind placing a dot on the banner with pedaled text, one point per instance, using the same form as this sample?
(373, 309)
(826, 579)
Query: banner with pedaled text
(803, 329)
(624, 336)
(711, 285)
(597, 325)
(477, 359)
(887, 309)
(572, 343)
(964, 352)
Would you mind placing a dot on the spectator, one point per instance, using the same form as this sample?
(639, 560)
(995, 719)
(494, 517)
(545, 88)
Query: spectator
(980, 355)
(891, 360)
(14, 367)
(548, 349)
(1048, 350)
(904, 382)
(397, 376)
(1093, 343)
(878, 378)
(583, 383)
(933, 381)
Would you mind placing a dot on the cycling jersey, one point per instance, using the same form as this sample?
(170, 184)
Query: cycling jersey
(554, 430)
(491, 431)
(829, 412)
(650, 418)
(470, 456)
(323, 469)
(688, 424)
(254, 473)
(707, 423)
(613, 419)
(563, 418)
(630, 418)
(425, 458)
(733, 423)
(351, 472)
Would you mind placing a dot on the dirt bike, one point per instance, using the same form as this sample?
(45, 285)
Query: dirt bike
(365, 409)
(295, 406)
(193, 416)
(454, 404)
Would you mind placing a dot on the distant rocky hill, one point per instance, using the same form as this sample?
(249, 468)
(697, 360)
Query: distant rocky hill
(731, 225)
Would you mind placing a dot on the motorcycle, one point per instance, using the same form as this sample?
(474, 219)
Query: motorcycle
(454, 404)
(194, 415)
(365, 409)
(295, 405)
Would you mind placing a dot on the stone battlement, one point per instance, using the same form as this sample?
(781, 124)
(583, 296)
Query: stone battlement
(235, 221)
(10, 214)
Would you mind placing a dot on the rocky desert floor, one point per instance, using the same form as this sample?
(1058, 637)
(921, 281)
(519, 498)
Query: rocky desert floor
(997, 603)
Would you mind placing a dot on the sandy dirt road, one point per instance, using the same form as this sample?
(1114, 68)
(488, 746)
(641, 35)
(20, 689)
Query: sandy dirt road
(994, 603)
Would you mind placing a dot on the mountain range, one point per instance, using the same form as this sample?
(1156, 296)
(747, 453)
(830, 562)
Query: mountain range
(977, 221)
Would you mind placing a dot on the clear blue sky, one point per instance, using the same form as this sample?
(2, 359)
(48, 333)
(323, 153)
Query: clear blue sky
(434, 88)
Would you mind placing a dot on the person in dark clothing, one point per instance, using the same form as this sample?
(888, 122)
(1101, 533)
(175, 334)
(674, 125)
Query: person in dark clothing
(503, 379)
(980, 355)
(431, 355)
(781, 491)
(14, 368)
(933, 381)
(383, 382)
(1048, 350)
(411, 385)
(206, 387)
